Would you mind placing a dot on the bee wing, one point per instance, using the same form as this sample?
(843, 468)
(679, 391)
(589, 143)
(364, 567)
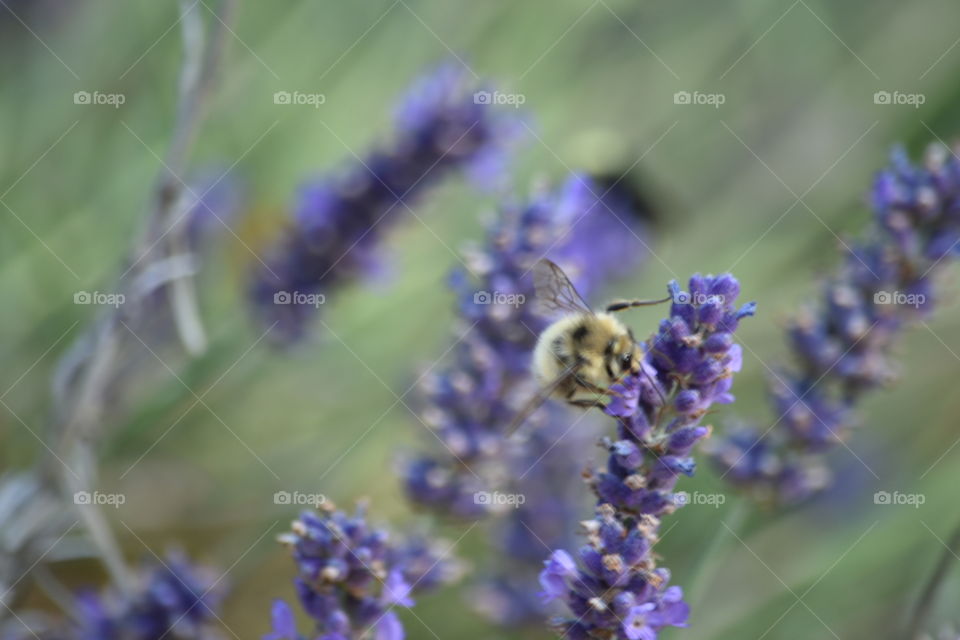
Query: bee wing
(555, 292)
(539, 398)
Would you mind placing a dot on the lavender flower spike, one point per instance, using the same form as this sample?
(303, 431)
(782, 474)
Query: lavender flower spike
(595, 235)
(470, 402)
(174, 600)
(840, 346)
(615, 589)
(351, 576)
(339, 220)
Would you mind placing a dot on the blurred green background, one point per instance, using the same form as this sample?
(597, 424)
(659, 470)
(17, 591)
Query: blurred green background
(599, 78)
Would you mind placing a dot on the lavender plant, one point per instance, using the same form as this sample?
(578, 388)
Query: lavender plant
(840, 347)
(469, 403)
(351, 577)
(339, 219)
(173, 599)
(615, 589)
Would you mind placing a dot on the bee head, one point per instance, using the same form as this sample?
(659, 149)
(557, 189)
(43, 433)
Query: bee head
(623, 355)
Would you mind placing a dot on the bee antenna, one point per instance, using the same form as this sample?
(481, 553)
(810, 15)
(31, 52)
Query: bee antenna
(620, 305)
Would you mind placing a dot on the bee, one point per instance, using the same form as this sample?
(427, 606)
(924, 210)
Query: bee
(582, 353)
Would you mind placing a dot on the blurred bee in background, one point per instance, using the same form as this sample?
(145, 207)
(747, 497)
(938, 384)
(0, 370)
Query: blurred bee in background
(583, 353)
(632, 190)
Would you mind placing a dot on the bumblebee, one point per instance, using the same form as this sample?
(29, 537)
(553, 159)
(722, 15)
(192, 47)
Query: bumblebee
(582, 353)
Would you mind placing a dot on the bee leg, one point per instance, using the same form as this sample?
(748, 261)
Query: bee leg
(592, 388)
(585, 404)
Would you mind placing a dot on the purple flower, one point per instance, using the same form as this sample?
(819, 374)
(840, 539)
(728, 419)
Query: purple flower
(635, 626)
(840, 346)
(339, 220)
(173, 599)
(594, 236)
(389, 627)
(282, 622)
(616, 590)
(470, 402)
(351, 576)
(396, 590)
(559, 568)
(691, 361)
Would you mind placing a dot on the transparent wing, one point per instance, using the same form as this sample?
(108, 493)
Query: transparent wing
(555, 293)
(538, 399)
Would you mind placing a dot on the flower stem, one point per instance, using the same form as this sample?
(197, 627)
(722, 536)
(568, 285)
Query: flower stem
(91, 370)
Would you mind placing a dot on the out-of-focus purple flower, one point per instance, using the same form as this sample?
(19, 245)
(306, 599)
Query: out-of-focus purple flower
(338, 220)
(840, 346)
(419, 558)
(615, 590)
(594, 236)
(350, 577)
(174, 599)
